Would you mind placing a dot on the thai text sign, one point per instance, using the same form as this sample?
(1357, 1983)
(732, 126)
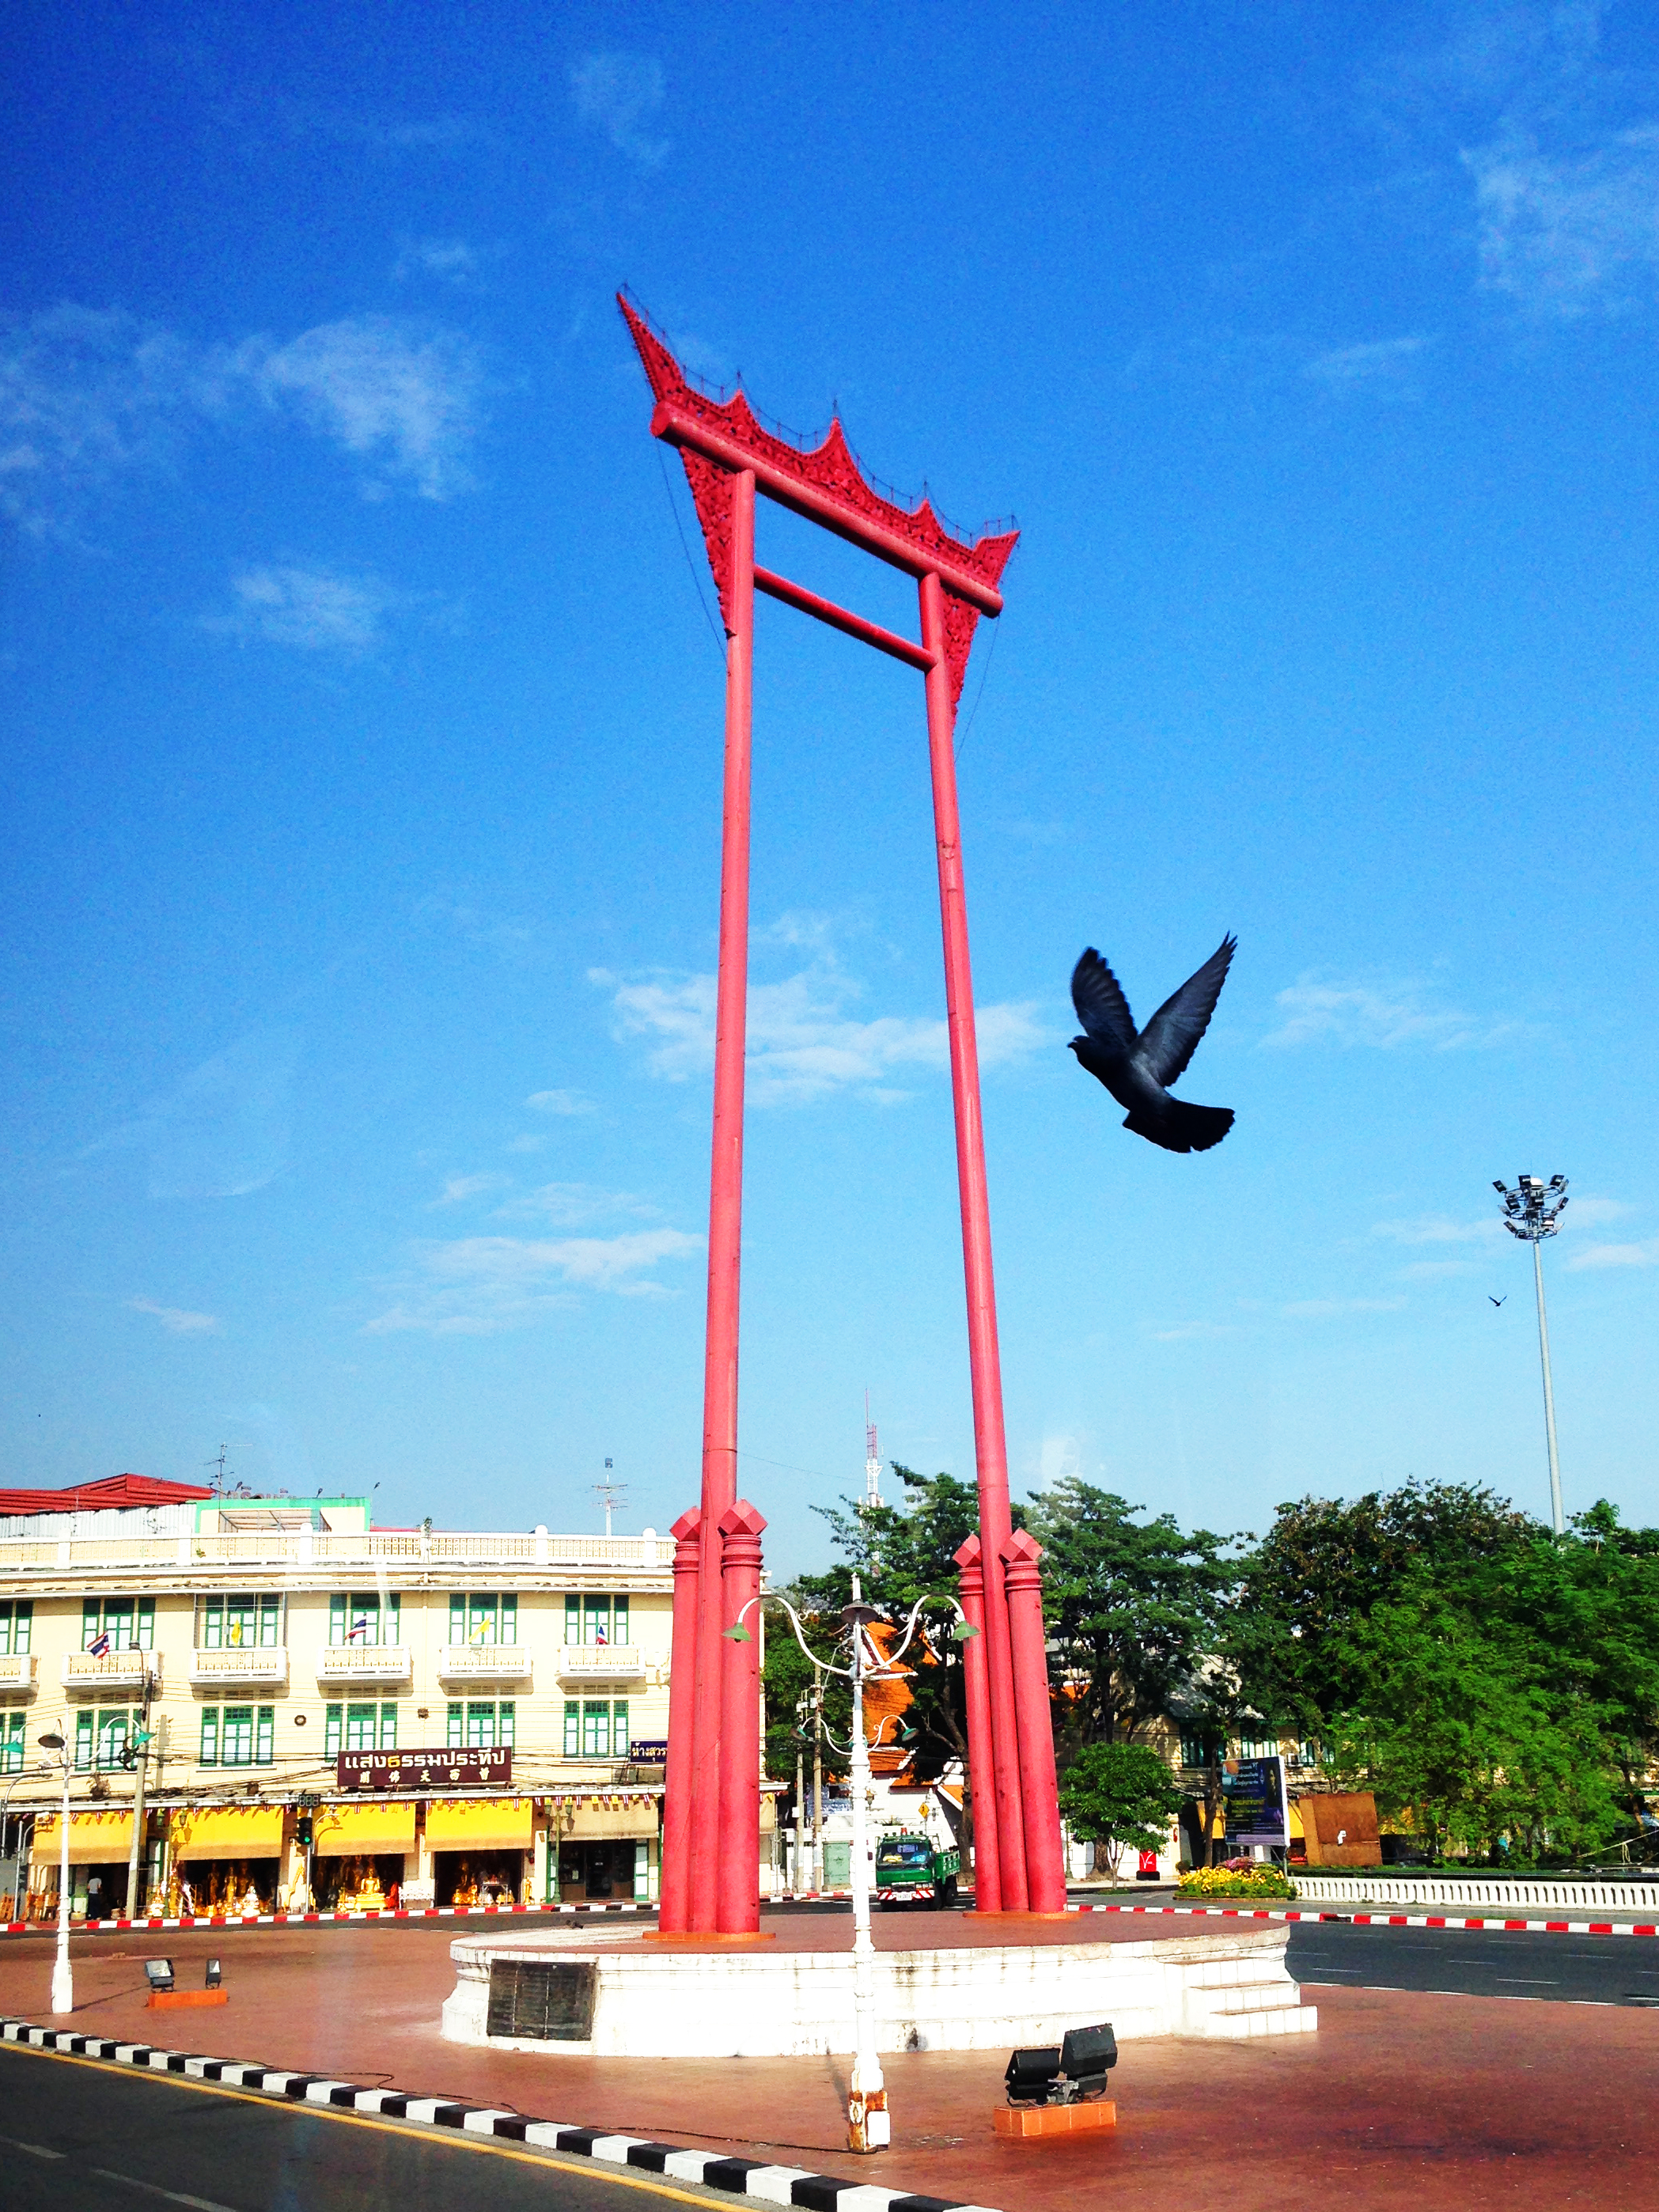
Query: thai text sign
(478, 1767)
(1254, 1790)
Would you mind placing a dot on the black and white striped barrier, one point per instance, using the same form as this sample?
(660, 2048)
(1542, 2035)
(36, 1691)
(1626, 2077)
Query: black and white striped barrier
(741, 2177)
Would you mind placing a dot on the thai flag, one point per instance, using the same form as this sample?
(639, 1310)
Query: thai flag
(359, 1627)
(601, 1638)
(99, 1647)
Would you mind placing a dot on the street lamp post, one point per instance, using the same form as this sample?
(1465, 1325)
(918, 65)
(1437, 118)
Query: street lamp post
(1532, 1212)
(63, 1978)
(869, 2124)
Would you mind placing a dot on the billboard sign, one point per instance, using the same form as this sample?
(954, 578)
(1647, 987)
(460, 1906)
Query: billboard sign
(1254, 1793)
(479, 1767)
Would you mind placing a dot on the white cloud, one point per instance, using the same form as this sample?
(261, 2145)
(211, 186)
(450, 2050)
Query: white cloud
(1435, 1271)
(620, 93)
(1645, 1255)
(1385, 1015)
(404, 398)
(1195, 1332)
(457, 1188)
(1569, 234)
(571, 1205)
(176, 1320)
(804, 1042)
(225, 1131)
(317, 609)
(451, 261)
(87, 396)
(559, 1102)
(1437, 1229)
(477, 1285)
(1385, 363)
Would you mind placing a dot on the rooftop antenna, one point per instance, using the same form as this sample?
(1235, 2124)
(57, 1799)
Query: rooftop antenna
(612, 1492)
(218, 1460)
(871, 1458)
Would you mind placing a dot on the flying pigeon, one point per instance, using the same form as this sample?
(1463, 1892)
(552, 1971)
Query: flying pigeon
(1135, 1066)
(1498, 1302)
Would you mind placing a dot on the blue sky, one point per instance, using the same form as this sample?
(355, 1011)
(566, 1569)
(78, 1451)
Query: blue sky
(363, 728)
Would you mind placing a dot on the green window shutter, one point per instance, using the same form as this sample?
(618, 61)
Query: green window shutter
(621, 1611)
(456, 1732)
(88, 1622)
(5, 1625)
(619, 1728)
(264, 1752)
(388, 1727)
(213, 1624)
(83, 1740)
(271, 1615)
(333, 1716)
(509, 1616)
(572, 1618)
(23, 1620)
(572, 1728)
(504, 1722)
(209, 1736)
(394, 1632)
(146, 1637)
(458, 1618)
(336, 1618)
(595, 1628)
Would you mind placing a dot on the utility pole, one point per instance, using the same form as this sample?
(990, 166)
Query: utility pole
(613, 1494)
(818, 1784)
(871, 1458)
(799, 1884)
(141, 1746)
(1532, 1212)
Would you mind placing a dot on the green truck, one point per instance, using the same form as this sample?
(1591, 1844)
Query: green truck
(912, 1870)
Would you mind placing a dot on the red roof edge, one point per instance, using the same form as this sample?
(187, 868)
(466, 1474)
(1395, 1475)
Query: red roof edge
(112, 1492)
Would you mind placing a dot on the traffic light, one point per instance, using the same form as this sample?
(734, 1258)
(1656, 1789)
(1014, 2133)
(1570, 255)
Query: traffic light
(303, 1832)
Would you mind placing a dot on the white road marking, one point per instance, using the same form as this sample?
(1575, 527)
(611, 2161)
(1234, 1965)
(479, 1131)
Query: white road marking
(172, 2196)
(34, 2151)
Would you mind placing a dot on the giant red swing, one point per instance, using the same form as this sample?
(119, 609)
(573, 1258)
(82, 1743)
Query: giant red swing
(710, 1870)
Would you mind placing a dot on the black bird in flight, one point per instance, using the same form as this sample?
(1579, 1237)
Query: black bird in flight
(1137, 1067)
(1498, 1302)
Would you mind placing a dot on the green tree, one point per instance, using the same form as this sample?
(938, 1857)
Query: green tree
(1461, 1725)
(1119, 1794)
(1134, 1608)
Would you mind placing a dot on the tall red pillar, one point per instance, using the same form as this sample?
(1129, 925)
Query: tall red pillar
(676, 1872)
(738, 1889)
(720, 1402)
(1045, 1870)
(984, 1357)
(988, 1875)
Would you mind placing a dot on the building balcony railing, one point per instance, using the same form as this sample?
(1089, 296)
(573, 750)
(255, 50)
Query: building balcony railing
(40, 1556)
(16, 1670)
(363, 1663)
(483, 1662)
(601, 1663)
(116, 1670)
(238, 1664)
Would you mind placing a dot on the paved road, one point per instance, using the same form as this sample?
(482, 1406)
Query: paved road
(1577, 1969)
(82, 2137)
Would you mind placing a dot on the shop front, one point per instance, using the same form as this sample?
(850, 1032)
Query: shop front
(225, 1858)
(607, 1848)
(99, 1846)
(361, 1856)
(480, 1850)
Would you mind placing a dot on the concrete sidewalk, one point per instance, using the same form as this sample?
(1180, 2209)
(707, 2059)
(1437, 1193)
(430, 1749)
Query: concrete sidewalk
(1399, 2101)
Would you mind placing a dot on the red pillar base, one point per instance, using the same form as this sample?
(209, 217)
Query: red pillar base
(707, 1939)
(1021, 2123)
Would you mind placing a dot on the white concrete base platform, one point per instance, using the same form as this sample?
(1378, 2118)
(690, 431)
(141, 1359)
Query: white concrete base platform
(780, 2004)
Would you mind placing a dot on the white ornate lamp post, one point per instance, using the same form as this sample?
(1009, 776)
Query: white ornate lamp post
(63, 1979)
(869, 2124)
(1532, 1212)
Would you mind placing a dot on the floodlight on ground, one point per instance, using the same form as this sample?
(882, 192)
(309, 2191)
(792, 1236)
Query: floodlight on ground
(215, 1976)
(158, 1972)
(1069, 2073)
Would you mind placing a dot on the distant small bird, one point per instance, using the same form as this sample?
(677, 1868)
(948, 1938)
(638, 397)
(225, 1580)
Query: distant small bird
(1137, 1066)
(1498, 1302)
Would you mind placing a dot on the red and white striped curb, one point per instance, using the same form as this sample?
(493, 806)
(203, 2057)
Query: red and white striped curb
(754, 2178)
(308, 1919)
(1387, 1919)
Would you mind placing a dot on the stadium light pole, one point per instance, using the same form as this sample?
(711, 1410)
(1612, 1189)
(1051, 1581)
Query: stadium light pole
(1532, 1212)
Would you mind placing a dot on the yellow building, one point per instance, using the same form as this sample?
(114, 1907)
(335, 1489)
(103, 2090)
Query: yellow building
(330, 1709)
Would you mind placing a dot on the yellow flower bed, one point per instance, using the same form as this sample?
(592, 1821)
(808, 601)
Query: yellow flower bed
(1219, 1882)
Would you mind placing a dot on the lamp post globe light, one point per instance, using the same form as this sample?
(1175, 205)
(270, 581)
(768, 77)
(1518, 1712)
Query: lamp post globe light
(62, 1980)
(1532, 1212)
(869, 2123)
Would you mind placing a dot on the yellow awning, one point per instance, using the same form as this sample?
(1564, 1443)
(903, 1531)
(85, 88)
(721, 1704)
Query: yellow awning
(344, 1831)
(479, 1824)
(94, 1839)
(229, 1831)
